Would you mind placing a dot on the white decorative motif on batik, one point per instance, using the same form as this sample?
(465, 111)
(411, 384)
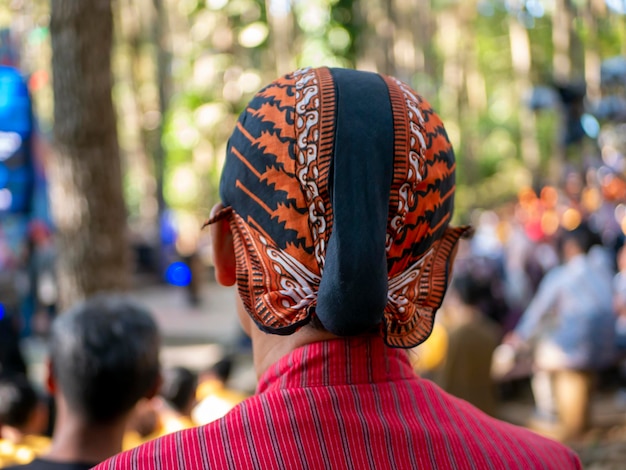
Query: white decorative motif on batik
(298, 285)
(404, 287)
(417, 151)
(308, 135)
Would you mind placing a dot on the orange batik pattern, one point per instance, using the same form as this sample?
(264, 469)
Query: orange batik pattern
(276, 186)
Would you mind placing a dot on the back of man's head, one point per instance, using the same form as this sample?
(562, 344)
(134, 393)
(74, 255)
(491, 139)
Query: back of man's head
(338, 186)
(105, 357)
(18, 401)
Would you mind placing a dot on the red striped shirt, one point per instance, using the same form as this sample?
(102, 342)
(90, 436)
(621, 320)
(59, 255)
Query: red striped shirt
(350, 404)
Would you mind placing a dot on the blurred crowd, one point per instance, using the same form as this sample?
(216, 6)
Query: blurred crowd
(539, 292)
(104, 389)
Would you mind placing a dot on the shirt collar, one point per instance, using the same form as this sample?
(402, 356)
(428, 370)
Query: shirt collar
(346, 361)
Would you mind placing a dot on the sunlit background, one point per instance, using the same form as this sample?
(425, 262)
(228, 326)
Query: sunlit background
(489, 67)
(532, 93)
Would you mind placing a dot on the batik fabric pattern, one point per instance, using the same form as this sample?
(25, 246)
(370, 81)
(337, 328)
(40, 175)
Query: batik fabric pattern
(276, 189)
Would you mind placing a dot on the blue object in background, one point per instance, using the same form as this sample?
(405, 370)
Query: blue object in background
(16, 127)
(4, 176)
(3, 311)
(178, 274)
(168, 229)
(15, 112)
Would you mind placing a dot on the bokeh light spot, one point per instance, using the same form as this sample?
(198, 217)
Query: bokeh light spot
(618, 6)
(178, 274)
(590, 124)
(571, 219)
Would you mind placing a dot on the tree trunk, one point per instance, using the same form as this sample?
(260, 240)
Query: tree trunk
(522, 62)
(163, 74)
(85, 176)
(592, 49)
(561, 73)
(425, 33)
(467, 64)
(376, 44)
(406, 48)
(562, 40)
(134, 19)
(281, 39)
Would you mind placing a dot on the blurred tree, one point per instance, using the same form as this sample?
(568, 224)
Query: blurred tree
(476, 61)
(521, 60)
(85, 176)
(163, 70)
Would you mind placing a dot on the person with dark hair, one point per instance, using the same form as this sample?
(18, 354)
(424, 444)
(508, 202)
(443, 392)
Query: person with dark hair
(570, 326)
(337, 193)
(104, 357)
(23, 418)
(179, 389)
(173, 405)
(472, 339)
(222, 369)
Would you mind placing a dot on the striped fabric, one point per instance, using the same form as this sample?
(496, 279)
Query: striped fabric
(349, 404)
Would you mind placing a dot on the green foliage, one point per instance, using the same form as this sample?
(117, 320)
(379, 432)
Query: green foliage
(222, 51)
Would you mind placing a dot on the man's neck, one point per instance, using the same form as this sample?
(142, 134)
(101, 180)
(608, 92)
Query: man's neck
(74, 440)
(267, 349)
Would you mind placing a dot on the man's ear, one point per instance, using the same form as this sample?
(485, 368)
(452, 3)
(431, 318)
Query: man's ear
(223, 250)
(51, 384)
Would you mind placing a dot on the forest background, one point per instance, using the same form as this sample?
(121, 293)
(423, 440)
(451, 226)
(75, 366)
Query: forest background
(499, 72)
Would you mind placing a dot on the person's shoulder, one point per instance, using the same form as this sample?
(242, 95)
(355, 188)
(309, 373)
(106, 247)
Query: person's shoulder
(550, 453)
(557, 274)
(200, 444)
(530, 445)
(522, 445)
(158, 450)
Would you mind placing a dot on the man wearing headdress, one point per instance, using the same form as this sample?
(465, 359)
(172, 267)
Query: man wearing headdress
(337, 192)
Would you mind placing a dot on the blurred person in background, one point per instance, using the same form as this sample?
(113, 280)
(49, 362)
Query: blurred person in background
(619, 299)
(518, 248)
(619, 304)
(43, 283)
(142, 424)
(11, 357)
(337, 193)
(214, 397)
(570, 325)
(23, 418)
(184, 400)
(472, 339)
(179, 389)
(168, 412)
(104, 357)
